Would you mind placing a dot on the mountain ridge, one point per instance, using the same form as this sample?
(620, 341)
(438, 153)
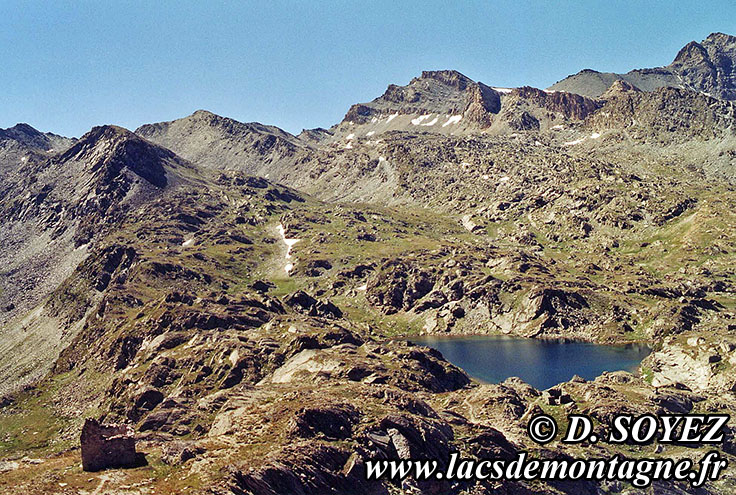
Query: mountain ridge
(706, 66)
(224, 143)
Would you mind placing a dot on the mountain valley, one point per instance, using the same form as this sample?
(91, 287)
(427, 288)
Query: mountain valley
(245, 298)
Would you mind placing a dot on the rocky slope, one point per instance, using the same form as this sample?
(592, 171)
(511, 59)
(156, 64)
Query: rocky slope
(706, 67)
(53, 211)
(222, 143)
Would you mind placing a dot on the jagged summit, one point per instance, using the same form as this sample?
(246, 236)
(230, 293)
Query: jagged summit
(23, 144)
(434, 92)
(714, 44)
(719, 37)
(80, 189)
(108, 131)
(707, 67)
(21, 130)
(105, 169)
(203, 113)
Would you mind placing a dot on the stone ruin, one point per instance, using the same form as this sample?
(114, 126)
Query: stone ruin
(107, 446)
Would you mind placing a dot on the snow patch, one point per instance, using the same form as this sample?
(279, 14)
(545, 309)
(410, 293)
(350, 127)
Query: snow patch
(595, 135)
(432, 122)
(573, 143)
(363, 287)
(420, 119)
(558, 126)
(188, 242)
(350, 136)
(370, 133)
(502, 90)
(453, 120)
(392, 117)
(289, 242)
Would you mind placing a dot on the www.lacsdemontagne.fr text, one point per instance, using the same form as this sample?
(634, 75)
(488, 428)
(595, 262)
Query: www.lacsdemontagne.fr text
(639, 472)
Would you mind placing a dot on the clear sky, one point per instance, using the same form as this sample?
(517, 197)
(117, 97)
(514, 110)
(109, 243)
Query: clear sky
(67, 66)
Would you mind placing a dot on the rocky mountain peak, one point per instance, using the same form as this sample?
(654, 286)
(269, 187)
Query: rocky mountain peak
(110, 149)
(201, 113)
(709, 66)
(22, 129)
(438, 93)
(450, 78)
(208, 118)
(721, 39)
(692, 52)
(204, 118)
(27, 136)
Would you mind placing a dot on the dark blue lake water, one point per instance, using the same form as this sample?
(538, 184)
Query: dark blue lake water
(541, 363)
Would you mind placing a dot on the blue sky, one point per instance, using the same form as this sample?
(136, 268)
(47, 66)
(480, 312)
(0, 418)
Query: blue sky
(67, 66)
